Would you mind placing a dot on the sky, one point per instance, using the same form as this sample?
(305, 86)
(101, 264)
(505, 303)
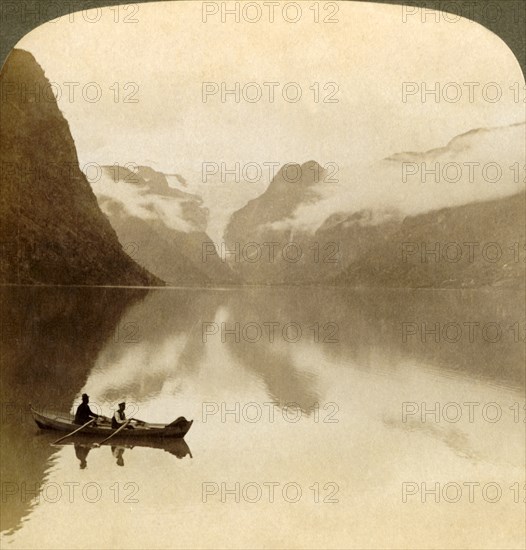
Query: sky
(163, 59)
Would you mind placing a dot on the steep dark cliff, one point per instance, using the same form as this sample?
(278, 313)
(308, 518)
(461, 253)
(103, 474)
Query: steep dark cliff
(52, 229)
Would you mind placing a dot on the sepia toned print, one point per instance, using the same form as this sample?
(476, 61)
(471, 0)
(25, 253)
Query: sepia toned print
(263, 272)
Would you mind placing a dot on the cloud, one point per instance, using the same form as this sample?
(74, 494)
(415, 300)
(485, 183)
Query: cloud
(483, 164)
(138, 201)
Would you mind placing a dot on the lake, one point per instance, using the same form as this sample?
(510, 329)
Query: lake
(323, 417)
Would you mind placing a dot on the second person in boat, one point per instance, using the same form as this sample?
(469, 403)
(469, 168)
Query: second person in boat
(119, 418)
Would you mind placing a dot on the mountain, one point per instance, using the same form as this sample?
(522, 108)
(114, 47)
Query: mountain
(471, 190)
(53, 231)
(352, 232)
(293, 185)
(478, 142)
(479, 165)
(267, 246)
(162, 227)
(400, 254)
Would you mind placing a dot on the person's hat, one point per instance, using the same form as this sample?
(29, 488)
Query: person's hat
(85, 395)
(123, 404)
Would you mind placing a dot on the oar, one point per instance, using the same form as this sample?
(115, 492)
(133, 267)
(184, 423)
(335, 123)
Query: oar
(74, 432)
(114, 433)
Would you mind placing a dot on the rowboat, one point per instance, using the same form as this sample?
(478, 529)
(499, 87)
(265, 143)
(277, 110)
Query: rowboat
(65, 422)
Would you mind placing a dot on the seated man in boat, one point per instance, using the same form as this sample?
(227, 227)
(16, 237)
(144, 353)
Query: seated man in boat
(84, 413)
(119, 418)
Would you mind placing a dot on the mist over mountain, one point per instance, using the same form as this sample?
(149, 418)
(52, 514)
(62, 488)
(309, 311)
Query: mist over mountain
(307, 227)
(261, 242)
(483, 164)
(162, 227)
(53, 231)
(293, 185)
(322, 236)
(477, 142)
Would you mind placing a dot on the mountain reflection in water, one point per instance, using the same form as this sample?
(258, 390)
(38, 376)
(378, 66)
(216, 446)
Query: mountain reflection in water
(167, 353)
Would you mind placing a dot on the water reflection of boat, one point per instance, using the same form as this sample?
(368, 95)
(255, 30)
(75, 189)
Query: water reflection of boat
(117, 453)
(85, 442)
(65, 423)
(81, 453)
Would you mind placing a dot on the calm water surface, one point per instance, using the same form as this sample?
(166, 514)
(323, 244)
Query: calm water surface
(321, 411)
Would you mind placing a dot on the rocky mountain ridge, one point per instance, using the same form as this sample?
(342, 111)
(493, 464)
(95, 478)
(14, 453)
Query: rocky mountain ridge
(53, 231)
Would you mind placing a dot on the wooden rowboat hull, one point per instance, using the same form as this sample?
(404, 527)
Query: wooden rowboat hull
(64, 422)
